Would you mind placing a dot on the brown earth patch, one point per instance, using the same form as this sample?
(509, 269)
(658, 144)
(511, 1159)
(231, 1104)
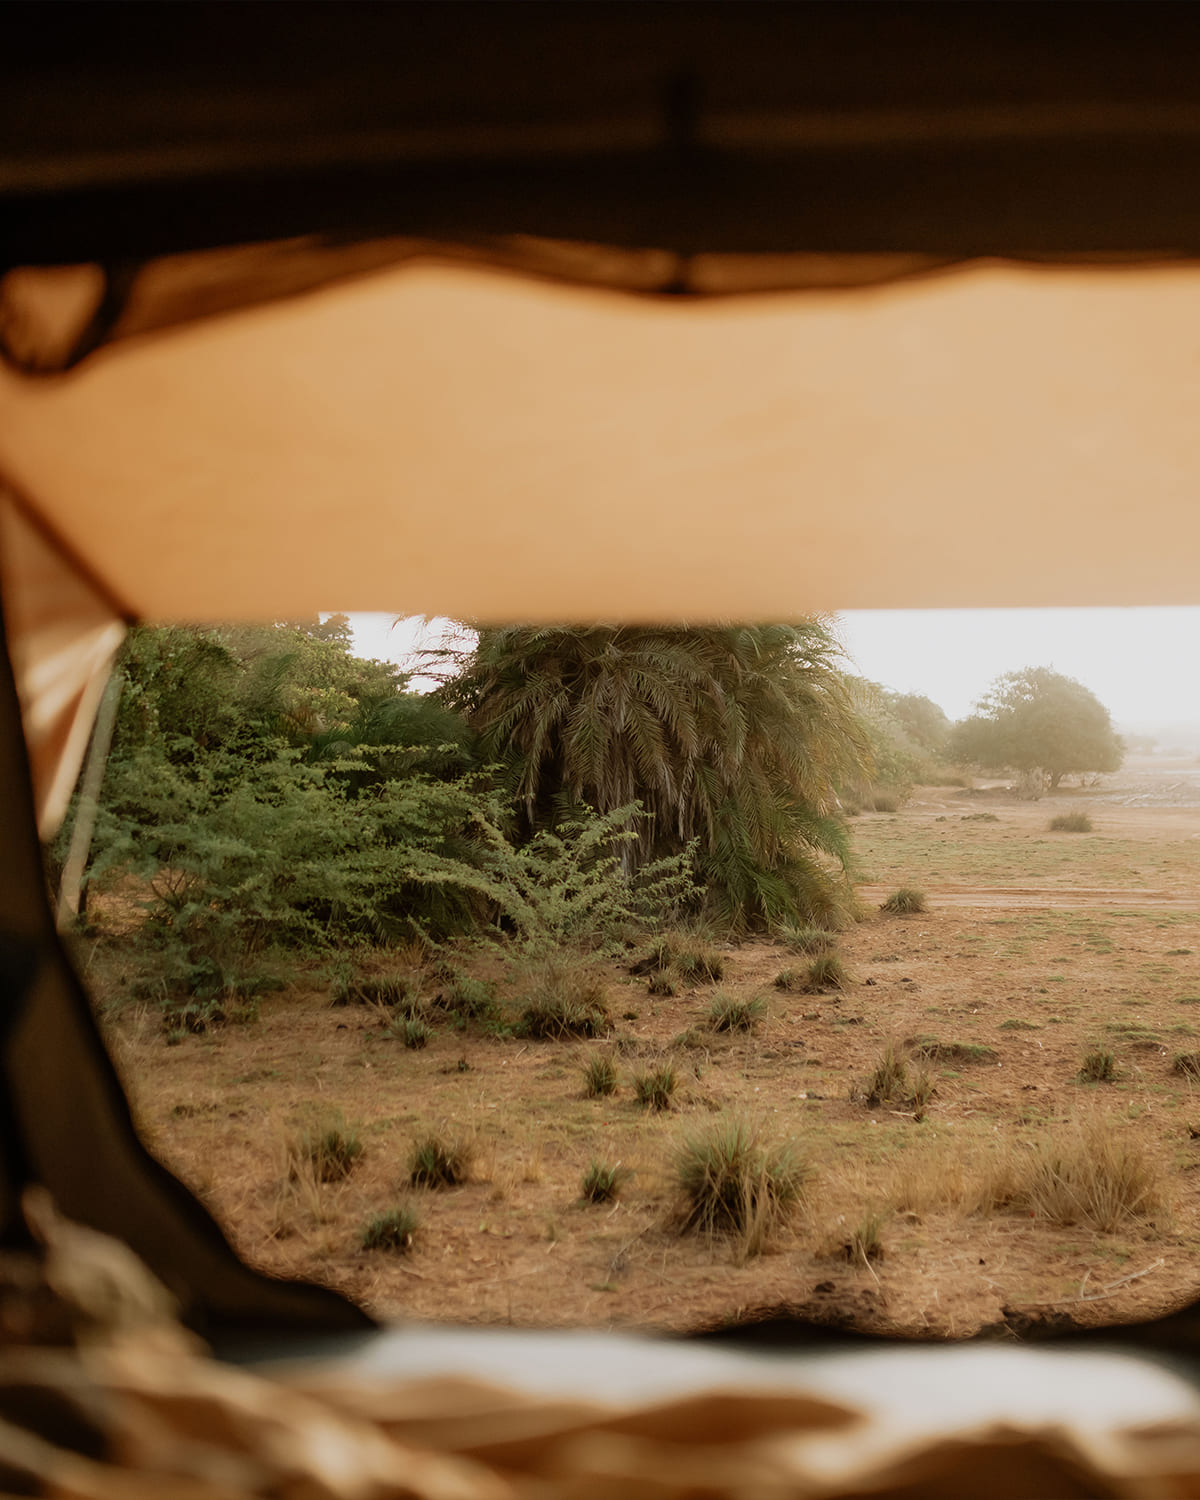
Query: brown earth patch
(1036, 946)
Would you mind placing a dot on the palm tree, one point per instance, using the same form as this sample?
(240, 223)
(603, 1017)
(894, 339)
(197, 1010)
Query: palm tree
(733, 736)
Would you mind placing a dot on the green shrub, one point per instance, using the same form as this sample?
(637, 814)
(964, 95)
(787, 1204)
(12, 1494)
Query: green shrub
(603, 1183)
(653, 1087)
(905, 902)
(391, 1230)
(728, 1013)
(1075, 822)
(599, 1077)
(566, 885)
(435, 1162)
(730, 1182)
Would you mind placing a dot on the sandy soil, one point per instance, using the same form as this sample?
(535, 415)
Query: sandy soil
(1036, 946)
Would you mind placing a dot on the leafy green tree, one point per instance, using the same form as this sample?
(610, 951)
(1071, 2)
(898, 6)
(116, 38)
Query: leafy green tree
(1039, 722)
(733, 737)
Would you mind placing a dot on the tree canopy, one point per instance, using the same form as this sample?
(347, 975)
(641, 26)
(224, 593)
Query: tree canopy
(734, 737)
(1038, 721)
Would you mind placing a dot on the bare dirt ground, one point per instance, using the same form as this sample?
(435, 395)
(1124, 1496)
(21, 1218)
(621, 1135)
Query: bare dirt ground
(1036, 946)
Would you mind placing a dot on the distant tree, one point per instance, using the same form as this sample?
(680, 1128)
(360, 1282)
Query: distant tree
(907, 735)
(1038, 721)
(921, 719)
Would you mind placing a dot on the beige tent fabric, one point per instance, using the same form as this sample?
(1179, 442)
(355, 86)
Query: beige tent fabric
(53, 316)
(442, 440)
(62, 637)
(429, 438)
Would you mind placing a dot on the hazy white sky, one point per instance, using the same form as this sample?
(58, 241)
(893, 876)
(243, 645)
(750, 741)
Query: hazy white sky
(1141, 663)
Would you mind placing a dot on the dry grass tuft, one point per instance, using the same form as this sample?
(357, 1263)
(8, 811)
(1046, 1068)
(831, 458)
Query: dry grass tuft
(906, 902)
(888, 1079)
(728, 1013)
(326, 1151)
(439, 1163)
(599, 1077)
(392, 1230)
(731, 1182)
(1075, 822)
(654, 1087)
(1098, 1066)
(1088, 1173)
(700, 964)
(564, 999)
(603, 1183)
(812, 940)
(827, 973)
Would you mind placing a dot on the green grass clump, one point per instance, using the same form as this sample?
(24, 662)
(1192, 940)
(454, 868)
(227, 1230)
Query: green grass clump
(1075, 822)
(328, 1150)
(827, 973)
(728, 1013)
(1098, 1066)
(700, 964)
(730, 1182)
(599, 1077)
(435, 1162)
(414, 1032)
(653, 1087)
(603, 1183)
(791, 979)
(888, 1079)
(809, 939)
(391, 1230)
(661, 984)
(905, 902)
(1187, 1063)
(1017, 1023)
